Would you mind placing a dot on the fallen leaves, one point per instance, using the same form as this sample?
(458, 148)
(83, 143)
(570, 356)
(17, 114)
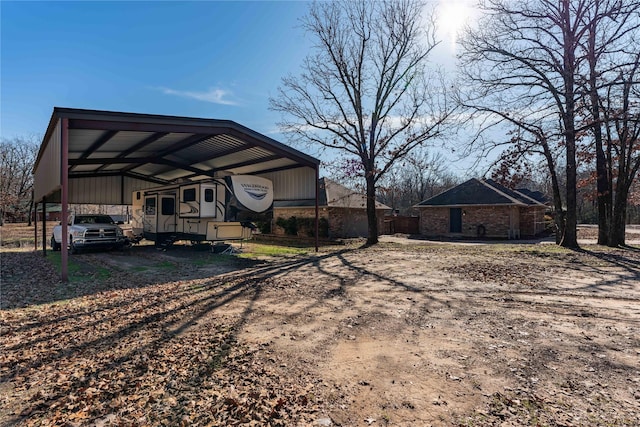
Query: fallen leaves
(147, 356)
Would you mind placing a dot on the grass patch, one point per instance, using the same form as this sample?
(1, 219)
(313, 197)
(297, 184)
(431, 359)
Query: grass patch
(167, 265)
(256, 250)
(77, 271)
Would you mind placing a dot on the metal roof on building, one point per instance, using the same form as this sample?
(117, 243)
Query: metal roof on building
(155, 149)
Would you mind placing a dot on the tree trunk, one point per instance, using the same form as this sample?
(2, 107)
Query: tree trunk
(603, 189)
(603, 184)
(570, 237)
(31, 213)
(372, 219)
(619, 220)
(557, 198)
(617, 235)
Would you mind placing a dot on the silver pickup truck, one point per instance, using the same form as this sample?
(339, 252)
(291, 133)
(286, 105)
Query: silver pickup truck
(89, 231)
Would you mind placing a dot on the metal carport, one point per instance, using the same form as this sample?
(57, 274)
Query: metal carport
(101, 157)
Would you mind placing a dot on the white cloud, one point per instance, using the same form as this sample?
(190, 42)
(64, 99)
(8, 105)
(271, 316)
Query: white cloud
(213, 95)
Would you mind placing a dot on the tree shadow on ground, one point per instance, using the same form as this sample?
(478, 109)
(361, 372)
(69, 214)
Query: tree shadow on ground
(28, 278)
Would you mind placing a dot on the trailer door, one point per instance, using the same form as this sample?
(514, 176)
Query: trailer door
(167, 218)
(150, 211)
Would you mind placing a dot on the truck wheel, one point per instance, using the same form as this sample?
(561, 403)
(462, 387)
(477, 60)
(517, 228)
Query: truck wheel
(73, 248)
(54, 245)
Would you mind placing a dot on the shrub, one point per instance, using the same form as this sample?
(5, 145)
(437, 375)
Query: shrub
(294, 225)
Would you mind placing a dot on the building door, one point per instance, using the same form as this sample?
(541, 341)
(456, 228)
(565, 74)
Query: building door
(455, 220)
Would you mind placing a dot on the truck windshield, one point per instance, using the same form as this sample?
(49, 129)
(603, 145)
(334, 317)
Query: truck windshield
(94, 219)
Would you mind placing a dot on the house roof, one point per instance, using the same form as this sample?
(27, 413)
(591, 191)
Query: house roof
(485, 192)
(332, 195)
(535, 195)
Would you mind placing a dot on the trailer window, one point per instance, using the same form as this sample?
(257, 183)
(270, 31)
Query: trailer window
(189, 195)
(168, 206)
(150, 206)
(208, 195)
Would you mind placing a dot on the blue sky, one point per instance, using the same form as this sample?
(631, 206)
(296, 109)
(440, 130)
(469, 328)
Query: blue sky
(208, 59)
(202, 59)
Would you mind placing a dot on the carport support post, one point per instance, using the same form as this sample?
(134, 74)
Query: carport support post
(44, 226)
(35, 226)
(317, 192)
(64, 178)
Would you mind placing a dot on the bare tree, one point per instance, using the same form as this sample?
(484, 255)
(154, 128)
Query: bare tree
(530, 145)
(522, 58)
(415, 179)
(610, 49)
(547, 68)
(365, 90)
(622, 119)
(17, 157)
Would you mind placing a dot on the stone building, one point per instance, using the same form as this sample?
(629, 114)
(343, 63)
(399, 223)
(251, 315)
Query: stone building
(342, 212)
(482, 208)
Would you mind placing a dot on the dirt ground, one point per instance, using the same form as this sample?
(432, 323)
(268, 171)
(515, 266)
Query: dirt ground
(406, 333)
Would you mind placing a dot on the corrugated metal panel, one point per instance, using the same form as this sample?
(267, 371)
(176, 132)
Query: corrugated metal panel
(272, 164)
(80, 140)
(293, 184)
(108, 190)
(122, 141)
(210, 148)
(239, 157)
(99, 190)
(132, 184)
(161, 144)
(47, 172)
(171, 174)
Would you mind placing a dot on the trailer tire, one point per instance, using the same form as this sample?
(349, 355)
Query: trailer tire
(481, 231)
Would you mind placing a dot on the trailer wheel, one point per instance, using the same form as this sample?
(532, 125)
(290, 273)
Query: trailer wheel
(481, 231)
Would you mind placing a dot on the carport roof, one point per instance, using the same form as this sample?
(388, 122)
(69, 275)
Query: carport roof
(164, 149)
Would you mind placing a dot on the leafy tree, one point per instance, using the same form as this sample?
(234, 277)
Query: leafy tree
(365, 90)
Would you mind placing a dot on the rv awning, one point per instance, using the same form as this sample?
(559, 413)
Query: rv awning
(109, 154)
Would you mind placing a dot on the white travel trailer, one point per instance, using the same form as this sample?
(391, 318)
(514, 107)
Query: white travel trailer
(207, 211)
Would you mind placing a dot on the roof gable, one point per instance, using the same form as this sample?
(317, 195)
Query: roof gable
(479, 192)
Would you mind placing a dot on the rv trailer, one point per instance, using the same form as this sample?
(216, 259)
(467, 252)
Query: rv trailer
(207, 211)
